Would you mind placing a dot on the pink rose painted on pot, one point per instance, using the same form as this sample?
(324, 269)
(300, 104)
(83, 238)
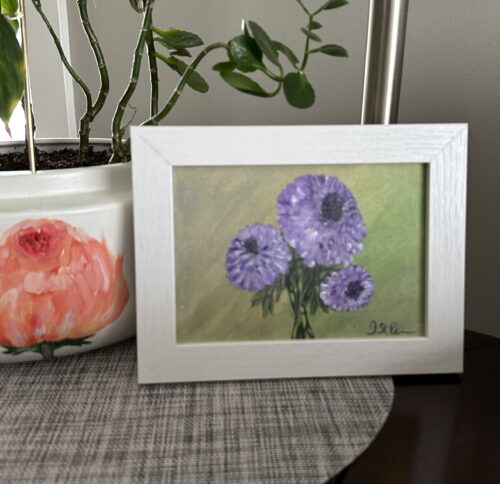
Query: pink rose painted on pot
(58, 287)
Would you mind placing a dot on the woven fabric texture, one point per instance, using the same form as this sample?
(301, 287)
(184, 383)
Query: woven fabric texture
(85, 419)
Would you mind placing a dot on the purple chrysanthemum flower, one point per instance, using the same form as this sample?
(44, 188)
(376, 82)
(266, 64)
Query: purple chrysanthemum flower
(320, 219)
(349, 289)
(256, 257)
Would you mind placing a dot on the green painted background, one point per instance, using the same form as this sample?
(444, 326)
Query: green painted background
(213, 203)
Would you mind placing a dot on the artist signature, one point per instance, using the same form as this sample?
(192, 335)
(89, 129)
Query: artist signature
(386, 328)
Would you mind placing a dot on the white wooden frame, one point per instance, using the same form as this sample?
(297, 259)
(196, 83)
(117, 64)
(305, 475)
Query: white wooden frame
(155, 151)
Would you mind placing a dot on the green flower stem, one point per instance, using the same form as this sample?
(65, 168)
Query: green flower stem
(103, 74)
(154, 120)
(119, 150)
(47, 351)
(153, 73)
(295, 286)
(85, 120)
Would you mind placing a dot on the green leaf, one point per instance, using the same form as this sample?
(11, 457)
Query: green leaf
(10, 8)
(181, 53)
(264, 42)
(298, 91)
(311, 35)
(137, 5)
(331, 4)
(313, 25)
(178, 39)
(287, 51)
(245, 53)
(194, 80)
(224, 66)
(243, 83)
(331, 49)
(11, 71)
(258, 297)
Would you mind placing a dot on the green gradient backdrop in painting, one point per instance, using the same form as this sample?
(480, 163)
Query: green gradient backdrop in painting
(211, 204)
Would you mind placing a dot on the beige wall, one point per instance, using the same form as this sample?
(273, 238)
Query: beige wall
(47, 76)
(451, 74)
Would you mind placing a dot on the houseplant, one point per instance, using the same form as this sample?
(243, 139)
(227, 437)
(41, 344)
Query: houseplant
(66, 255)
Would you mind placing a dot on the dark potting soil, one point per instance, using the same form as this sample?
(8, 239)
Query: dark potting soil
(53, 160)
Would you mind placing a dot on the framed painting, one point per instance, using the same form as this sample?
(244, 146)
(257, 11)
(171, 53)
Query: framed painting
(299, 251)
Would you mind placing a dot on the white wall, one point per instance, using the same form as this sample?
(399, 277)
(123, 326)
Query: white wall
(451, 74)
(53, 117)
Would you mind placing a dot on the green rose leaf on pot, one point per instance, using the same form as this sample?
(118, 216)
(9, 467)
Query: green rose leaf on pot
(298, 91)
(11, 71)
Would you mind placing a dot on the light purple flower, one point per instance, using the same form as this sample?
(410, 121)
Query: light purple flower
(320, 219)
(349, 289)
(256, 257)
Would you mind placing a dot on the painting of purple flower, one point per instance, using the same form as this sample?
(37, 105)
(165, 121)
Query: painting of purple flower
(320, 219)
(349, 289)
(256, 257)
(309, 258)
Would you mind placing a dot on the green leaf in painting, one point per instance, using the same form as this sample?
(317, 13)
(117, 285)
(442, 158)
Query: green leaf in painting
(331, 4)
(264, 42)
(298, 91)
(194, 80)
(311, 35)
(287, 51)
(245, 53)
(243, 83)
(178, 39)
(11, 71)
(331, 49)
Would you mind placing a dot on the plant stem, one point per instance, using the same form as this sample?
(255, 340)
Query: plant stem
(104, 79)
(85, 120)
(153, 73)
(304, 7)
(118, 147)
(154, 120)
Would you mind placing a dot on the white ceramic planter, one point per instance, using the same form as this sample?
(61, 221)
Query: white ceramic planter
(66, 259)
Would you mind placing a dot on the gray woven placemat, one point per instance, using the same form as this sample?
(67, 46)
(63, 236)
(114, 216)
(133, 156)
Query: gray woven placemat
(85, 419)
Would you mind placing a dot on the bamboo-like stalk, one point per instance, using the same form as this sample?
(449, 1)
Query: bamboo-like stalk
(85, 120)
(28, 106)
(154, 120)
(118, 146)
(153, 73)
(89, 116)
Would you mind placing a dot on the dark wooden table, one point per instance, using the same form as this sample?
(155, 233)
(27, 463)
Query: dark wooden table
(442, 429)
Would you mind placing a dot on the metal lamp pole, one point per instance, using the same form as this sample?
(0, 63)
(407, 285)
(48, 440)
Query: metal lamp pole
(28, 107)
(384, 61)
